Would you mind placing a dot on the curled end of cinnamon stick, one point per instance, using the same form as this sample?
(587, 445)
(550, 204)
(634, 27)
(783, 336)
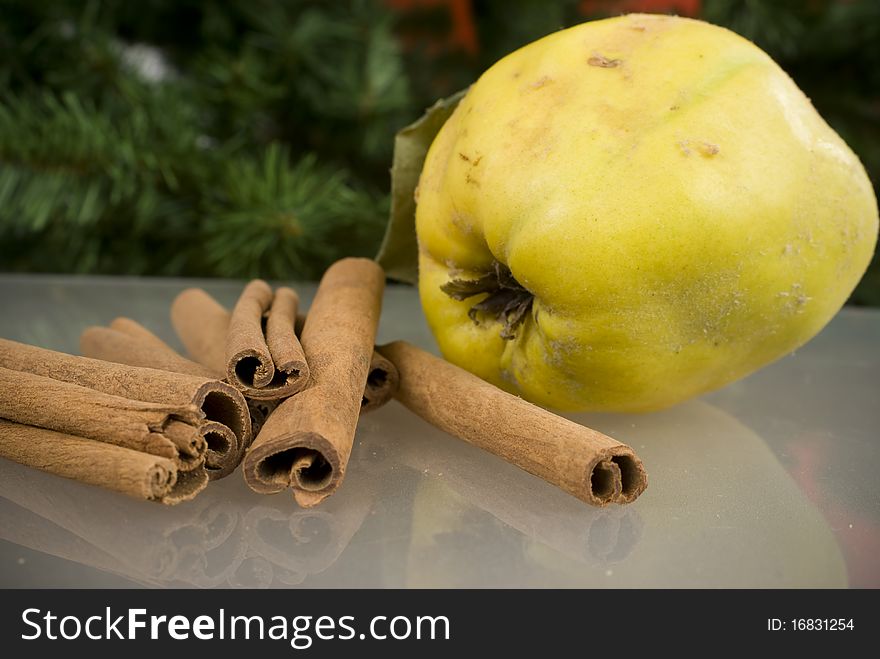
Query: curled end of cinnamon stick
(187, 486)
(617, 476)
(160, 478)
(250, 369)
(383, 381)
(264, 357)
(223, 450)
(224, 404)
(304, 462)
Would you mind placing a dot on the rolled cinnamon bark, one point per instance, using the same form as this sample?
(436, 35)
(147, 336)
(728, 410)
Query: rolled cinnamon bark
(585, 463)
(202, 324)
(382, 381)
(218, 401)
(306, 442)
(128, 342)
(265, 364)
(134, 473)
(165, 430)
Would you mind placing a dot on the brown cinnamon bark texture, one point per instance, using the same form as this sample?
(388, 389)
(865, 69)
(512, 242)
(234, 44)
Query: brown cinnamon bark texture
(218, 401)
(165, 430)
(382, 381)
(585, 463)
(265, 364)
(128, 342)
(306, 442)
(202, 324)
(134, 473)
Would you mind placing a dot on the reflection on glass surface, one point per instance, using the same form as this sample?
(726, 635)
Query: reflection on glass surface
(722, 511)
(767, 483)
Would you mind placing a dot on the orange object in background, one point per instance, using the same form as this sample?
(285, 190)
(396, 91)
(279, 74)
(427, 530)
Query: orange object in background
(611, 7)
(462, 36)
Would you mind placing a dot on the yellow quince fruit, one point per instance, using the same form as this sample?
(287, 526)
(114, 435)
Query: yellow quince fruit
(634, 211)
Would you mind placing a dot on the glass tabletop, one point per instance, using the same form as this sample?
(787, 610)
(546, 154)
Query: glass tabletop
(770, 482)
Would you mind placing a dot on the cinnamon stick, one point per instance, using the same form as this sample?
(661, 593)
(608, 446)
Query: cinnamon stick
(117, 468)
(585, 463)
(382, 382)
(164, 430)
(202, 324)
(128, 342)
(265, 365)
(306, 442)
(219, 402)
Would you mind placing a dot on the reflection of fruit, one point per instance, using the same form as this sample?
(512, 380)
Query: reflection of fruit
(653, 208)
(722, 512)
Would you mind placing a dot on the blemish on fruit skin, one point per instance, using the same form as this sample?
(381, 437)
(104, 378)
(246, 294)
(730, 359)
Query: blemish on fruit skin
(543, 81)
(603, 62)
(705, 149)
(795, 299)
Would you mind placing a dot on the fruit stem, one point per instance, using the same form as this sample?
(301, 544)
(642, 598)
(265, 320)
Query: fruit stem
(507, 301)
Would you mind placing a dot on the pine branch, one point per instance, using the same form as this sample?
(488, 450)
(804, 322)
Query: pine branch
(271, 218)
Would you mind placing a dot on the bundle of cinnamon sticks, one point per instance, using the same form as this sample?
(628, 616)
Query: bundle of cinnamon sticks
(275, 391)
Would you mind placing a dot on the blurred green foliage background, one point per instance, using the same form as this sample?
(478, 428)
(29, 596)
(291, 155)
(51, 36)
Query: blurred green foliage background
(253, 137)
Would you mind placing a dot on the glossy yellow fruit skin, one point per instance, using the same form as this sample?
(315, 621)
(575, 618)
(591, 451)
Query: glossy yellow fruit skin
(679, 210)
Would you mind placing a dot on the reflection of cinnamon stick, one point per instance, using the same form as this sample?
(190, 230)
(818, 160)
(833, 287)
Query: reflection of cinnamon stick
(585, 463)
(163, 430)
(544, 514)
(23, 527)
(134, 473)
(305, 444)
(306, 542)
(152, 544)
(128, 342)
(202, 324)
(265, 364)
